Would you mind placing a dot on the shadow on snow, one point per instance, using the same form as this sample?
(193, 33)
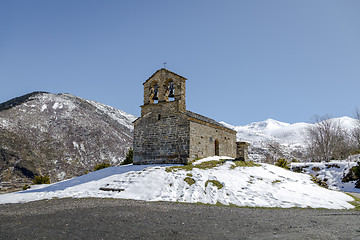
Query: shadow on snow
(93, 176)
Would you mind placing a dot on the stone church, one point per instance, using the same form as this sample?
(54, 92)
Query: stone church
(168, 133)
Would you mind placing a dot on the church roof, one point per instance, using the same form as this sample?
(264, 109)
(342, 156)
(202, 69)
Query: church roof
(205, 119)
(164, 69)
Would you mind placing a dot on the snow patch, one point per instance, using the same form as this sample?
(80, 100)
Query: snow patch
(58, 105)
(330, 172)
(216, 158)
(5, 123)
(79, 146)
(61, 175)
(43, 107)
(121, 117)
(82, 147)
(58, 101)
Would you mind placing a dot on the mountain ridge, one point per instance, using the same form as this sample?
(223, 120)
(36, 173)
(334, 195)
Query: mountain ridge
(60, 135)
(274, 139)
(271, 127)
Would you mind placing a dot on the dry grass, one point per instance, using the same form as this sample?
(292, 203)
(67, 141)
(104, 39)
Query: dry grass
(239, 163)
(189, 167)
(189, 180)
(356, 202)
(215, 183)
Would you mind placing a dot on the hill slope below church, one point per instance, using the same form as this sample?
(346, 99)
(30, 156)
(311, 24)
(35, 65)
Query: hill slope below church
(59, 135)
(210, 180)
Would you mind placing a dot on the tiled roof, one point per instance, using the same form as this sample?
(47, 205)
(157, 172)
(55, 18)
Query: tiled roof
(205, 119)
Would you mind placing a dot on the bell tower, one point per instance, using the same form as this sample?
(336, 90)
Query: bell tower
(164, 88)
(167, 133)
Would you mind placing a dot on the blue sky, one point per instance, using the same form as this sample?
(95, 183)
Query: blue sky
(245, 61)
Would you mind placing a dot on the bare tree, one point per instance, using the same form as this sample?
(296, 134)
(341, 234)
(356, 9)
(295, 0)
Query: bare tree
(356, 130)
(275, 149)
(327, 140)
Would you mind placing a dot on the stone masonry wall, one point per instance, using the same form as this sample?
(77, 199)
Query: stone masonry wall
(202, 141)
(161, 136)
(242, 150)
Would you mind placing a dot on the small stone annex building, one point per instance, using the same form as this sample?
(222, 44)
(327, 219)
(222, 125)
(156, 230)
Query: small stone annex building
(168, 133)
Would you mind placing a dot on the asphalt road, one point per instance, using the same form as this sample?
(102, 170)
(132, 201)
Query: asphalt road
(130, 219)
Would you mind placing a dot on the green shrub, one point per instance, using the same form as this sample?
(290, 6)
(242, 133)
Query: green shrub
(129, 157)
(41, 179)
(101, 166)
(283, 163)
(26, 187)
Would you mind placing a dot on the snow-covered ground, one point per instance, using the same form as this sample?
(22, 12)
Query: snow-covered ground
(331, 172)
(259, 186)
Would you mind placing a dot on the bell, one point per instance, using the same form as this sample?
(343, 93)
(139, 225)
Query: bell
(155, 97)
(171, 93)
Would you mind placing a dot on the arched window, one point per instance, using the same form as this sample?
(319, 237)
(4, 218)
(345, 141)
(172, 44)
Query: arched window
(217, 148)
(170, 91)
(153, 96)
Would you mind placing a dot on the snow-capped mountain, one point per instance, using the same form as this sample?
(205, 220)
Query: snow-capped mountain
(288, 139)
(59, 135)
(270, 130)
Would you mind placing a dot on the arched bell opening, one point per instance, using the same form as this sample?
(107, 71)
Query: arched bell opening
(154, 93)
(170, 91)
